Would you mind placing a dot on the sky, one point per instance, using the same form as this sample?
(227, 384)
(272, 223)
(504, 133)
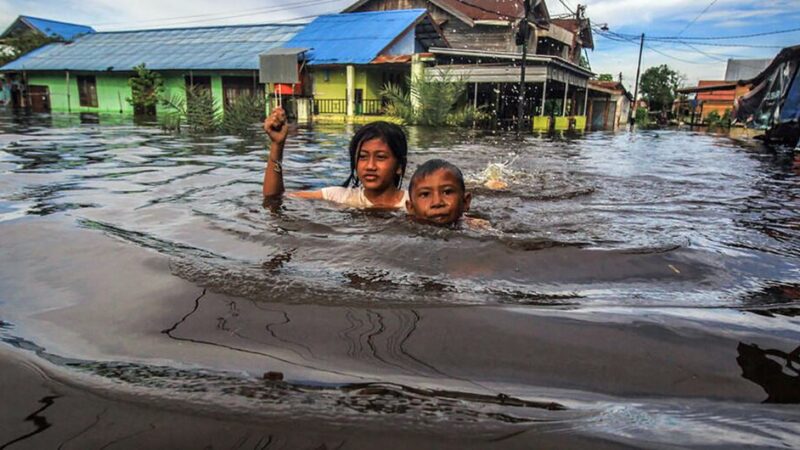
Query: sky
(613, 53)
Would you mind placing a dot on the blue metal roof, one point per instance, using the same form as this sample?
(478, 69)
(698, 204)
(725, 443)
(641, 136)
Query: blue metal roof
(206, 48)
(54, 28)
(353, 38)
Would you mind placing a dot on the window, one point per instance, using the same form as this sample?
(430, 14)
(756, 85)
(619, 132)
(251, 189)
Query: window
(200, 82)
(87, 90)
(235, 87)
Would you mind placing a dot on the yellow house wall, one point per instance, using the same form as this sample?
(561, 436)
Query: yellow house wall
(335, 88)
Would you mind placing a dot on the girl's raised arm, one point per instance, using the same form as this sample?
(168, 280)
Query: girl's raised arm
(276, 128)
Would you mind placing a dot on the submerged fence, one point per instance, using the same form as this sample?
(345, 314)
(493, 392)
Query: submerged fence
(339, 106)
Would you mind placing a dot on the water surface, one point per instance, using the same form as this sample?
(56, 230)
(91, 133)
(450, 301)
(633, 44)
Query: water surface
(633, 285)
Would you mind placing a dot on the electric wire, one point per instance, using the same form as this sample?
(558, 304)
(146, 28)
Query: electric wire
(688, 25)
(244, 13)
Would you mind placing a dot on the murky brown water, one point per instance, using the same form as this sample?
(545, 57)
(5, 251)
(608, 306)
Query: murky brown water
(635, 287)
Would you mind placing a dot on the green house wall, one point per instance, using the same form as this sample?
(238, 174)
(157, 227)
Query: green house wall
(113, 89)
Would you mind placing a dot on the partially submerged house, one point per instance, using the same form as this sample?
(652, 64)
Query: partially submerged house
(491, 25)
(91, 73)
(484, 52)
(351, 57)
(609, 105)
(718, 96)
(344, 62)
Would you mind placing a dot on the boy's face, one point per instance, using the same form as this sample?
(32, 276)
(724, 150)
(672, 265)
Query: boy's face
(438, 198)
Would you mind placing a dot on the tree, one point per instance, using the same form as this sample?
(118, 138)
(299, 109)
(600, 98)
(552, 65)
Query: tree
(146, 89)
(606, 77)
(584, 62)
(658, 86)
(16, 46)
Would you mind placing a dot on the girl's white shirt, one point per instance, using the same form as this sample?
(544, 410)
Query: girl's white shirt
(354, 197)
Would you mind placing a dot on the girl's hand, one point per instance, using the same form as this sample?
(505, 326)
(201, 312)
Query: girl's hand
(276, 126)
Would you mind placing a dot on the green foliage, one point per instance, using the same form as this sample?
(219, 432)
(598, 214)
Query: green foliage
(19, 45)
(642, 118)
(202, 111)
(584, 62)
(658, 86)
(399, 103)
(605, 77)
(714, 120)
(244, 114)
(469, 116)
(146, 90)
(437, 101)
(199, 112)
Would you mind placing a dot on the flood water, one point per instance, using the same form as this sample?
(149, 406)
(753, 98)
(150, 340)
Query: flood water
(636, 290)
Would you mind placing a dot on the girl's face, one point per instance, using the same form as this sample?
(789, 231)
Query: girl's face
(376, 165)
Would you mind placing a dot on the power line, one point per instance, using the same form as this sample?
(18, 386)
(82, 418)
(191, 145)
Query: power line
(621, 38)
(565, 5)
(714, 38)
(243, 13)
(688, 25)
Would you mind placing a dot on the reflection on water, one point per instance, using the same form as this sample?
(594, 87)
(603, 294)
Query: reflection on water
(774, 370)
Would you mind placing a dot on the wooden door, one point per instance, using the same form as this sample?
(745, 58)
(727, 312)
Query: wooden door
(39, 98)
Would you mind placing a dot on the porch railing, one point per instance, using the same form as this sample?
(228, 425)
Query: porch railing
(339, 106)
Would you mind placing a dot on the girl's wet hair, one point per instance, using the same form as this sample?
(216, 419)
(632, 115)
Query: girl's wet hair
(432, 165)
(392, 135)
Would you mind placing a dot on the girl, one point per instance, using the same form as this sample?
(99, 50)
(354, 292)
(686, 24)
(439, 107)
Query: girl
(377, 166)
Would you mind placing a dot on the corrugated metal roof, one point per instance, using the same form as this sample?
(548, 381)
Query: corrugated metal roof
(474, 10)
(744, 69)
(206, 48)
(63, 30)
(355, 38)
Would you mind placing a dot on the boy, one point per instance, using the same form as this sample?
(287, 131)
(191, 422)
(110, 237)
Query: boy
(437, 194)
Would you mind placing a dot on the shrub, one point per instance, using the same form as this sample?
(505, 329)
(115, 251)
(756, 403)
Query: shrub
(437, 102)
(244, 113)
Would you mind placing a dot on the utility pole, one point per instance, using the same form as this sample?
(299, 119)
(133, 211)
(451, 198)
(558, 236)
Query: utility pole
(523, 34)
(632, 110)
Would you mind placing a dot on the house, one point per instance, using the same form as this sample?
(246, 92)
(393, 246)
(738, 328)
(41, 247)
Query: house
(491, 25)
(91, 73)
(351, 57)
(609, 105)
(46, 28)
(718, 96)
(478, 24)
(483, 51)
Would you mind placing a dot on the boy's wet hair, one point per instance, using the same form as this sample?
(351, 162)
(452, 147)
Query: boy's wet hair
(431, 166)
(392, 135)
